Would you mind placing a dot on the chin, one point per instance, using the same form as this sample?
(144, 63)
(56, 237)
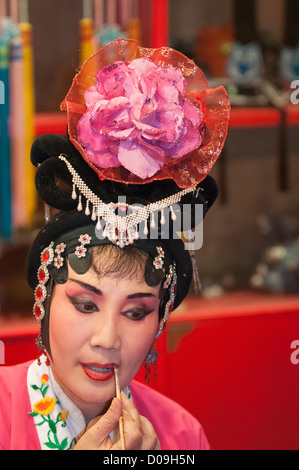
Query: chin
(92, 394)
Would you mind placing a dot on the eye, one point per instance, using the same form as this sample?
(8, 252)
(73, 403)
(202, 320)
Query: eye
(84, 306)
(137, 314)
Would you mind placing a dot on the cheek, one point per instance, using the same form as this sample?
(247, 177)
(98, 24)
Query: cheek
(65, 333)
(138, 343)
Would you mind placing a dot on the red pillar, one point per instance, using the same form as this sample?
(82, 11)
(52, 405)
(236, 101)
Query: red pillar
(160, 23)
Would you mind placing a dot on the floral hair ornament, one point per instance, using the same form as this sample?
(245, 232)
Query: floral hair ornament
(159, 259)
(47, 258)
(137, 115)
(40, 292)
(81, 250)
(58, 260)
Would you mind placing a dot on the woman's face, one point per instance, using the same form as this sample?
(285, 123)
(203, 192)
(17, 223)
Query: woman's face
(96, 324)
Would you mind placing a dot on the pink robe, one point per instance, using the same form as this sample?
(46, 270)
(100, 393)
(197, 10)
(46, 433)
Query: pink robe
(176, 428)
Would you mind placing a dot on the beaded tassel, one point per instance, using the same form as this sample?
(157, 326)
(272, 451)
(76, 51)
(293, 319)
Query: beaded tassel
(151, 359)
(132, 215)
(41, 350)
(196, 280)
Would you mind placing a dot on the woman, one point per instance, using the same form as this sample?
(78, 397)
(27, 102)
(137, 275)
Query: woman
(109, 268)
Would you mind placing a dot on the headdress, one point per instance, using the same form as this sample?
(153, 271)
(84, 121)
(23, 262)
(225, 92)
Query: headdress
(144, 130)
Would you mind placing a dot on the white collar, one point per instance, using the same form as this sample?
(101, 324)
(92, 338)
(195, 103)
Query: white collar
(76, 419)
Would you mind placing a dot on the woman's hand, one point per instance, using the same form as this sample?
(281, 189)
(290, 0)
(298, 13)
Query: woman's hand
(139, 432)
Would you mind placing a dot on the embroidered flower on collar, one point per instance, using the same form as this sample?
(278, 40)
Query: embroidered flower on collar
(44, 408)
(44, 379)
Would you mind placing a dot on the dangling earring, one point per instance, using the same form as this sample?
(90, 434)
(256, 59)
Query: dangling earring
(41, 350)
(151, 358)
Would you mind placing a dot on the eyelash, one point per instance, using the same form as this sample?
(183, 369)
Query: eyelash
(80, 304)
(142, 313)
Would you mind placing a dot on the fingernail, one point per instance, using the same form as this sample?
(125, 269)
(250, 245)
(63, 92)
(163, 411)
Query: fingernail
(114, 404)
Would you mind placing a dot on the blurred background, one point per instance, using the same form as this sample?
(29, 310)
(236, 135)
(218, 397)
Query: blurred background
(247, 309)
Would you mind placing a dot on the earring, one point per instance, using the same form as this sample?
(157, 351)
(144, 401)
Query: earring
(151, 358)
(41, 350)
(172, 293)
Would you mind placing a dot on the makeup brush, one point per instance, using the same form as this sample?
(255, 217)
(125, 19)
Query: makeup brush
(121, 420)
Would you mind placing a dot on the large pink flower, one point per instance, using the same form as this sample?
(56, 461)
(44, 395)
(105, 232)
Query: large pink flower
(137, 117)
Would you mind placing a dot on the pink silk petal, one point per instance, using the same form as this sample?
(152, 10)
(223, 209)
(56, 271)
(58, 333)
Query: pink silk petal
(136, 157)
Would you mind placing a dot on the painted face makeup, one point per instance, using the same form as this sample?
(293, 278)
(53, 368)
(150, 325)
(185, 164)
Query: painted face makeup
(96, 325)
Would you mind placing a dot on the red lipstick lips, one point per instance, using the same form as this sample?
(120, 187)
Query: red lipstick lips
(99, 372)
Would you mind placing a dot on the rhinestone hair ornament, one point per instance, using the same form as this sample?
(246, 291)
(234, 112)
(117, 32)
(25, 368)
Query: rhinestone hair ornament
(121, 230)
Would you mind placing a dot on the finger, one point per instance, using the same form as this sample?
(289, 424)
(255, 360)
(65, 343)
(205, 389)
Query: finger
(105, 425)
(150, 438)
(139, 432)
(130, 408)
(132, 425)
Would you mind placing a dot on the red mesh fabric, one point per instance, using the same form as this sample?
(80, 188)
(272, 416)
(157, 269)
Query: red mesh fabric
(185, 171)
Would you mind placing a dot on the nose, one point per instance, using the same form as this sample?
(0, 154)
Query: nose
(105, 330)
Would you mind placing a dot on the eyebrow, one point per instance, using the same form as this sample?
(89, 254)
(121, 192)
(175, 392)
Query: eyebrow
(87, 286)
(97, 291)
(140, 294)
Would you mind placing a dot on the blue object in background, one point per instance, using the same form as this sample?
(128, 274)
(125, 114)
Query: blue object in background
(245, 63)
(110, 33)
(7, 31)
(289, 63)
(5, 164)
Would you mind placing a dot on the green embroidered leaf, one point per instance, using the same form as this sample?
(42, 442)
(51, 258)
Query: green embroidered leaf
(51, 445)
(73, 441)
(52, 426)
(44, 390)
(33, 414)
(35, 387)
(63, 444)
